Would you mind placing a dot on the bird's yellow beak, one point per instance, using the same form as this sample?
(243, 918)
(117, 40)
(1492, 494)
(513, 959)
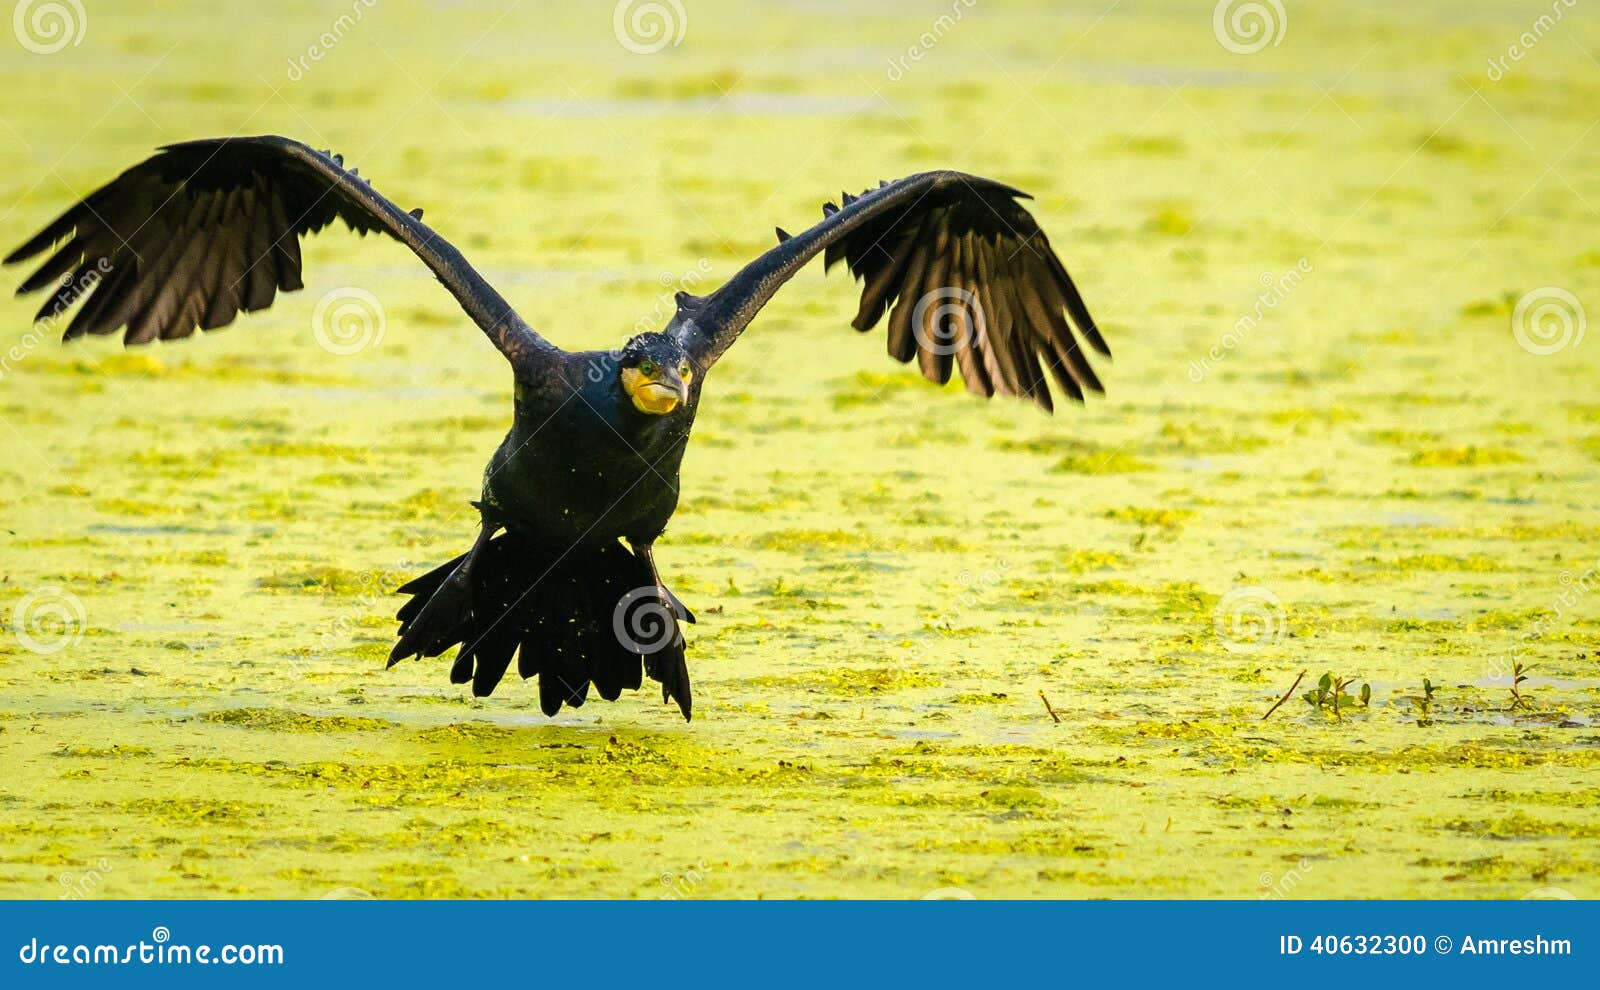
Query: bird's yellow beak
(657, 394)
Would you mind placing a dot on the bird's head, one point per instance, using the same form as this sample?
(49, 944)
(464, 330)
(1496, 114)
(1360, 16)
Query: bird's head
(655, 372)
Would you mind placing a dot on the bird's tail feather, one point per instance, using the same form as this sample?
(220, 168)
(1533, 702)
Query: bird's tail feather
(590, 616)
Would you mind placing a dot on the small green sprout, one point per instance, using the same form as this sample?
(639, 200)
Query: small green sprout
(1519, 673)
(1333, 693)
(1423, 704)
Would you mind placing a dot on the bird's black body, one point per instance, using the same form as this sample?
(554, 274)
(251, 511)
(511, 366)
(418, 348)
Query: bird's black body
(562, 574)
(620, 481)
(581, 468)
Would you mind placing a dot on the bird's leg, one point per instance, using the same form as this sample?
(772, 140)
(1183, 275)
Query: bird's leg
(461, 577)
(647, 551)
(664, 661)
(678, 609)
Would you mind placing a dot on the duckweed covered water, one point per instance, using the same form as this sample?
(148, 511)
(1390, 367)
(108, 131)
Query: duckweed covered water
(1367, 477)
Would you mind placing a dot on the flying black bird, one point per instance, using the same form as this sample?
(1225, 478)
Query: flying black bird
(204, 229)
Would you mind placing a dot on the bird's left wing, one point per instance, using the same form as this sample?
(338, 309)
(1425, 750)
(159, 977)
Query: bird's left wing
(967, 277)
(204, 229)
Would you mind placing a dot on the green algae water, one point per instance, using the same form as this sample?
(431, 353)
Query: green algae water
(946, 647)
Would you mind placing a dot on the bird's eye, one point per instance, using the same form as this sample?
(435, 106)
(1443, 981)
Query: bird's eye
(647, 367)
(683, 370)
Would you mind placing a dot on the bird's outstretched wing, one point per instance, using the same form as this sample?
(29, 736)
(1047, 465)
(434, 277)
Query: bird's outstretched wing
(964, 272)
(204, 229)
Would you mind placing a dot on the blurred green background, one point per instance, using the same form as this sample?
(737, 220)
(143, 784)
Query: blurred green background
(1342, 254)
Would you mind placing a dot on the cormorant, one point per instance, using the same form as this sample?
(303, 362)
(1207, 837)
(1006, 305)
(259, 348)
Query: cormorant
(204, 229)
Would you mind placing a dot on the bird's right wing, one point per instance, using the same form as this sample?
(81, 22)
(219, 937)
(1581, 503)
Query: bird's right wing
(204, 229)
(968, 280)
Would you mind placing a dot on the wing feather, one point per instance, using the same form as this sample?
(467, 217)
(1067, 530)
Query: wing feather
(969, 356)
(203, 230)
(880, 286)
(902, 343)
(955, 244)
(62, 262)
(996, 319)
(932, 358)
